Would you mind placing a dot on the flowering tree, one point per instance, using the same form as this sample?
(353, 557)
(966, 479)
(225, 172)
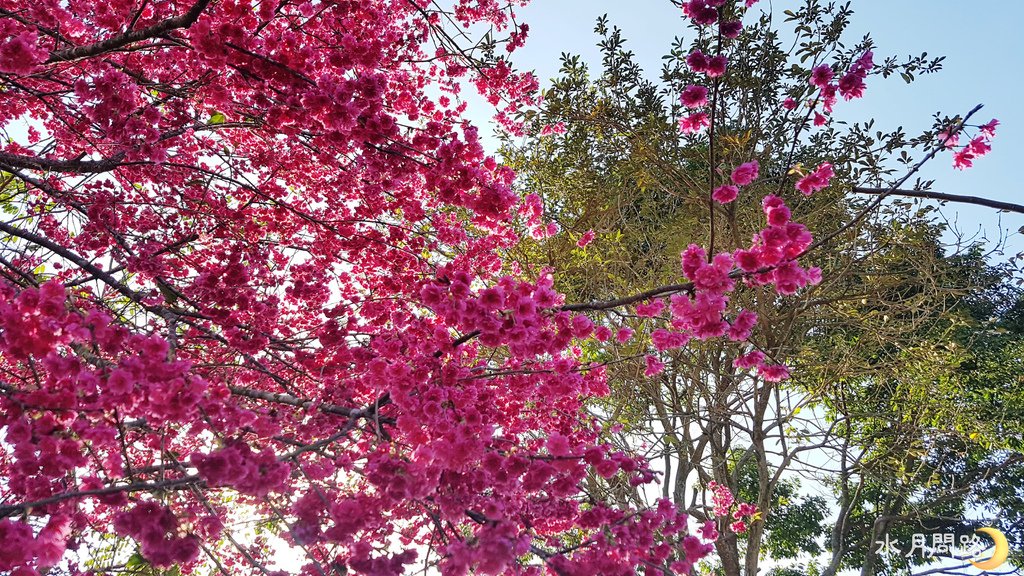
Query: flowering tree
(253, 273)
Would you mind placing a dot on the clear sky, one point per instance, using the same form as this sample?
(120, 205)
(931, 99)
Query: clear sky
(981, 40)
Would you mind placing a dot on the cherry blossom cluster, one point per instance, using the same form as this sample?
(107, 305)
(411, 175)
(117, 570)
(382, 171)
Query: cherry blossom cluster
(159, 533)
(771, 258)
(23, 548)
(976, 147)
(743, 175)
(239, 467)
(725, 506)
(694, 97)
(816, 180)
(850, 86)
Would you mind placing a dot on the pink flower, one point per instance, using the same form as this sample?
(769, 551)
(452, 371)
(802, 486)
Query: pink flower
(738, 527)
(654, 367)
(694, 123)
(731, 29)
(828, 97)
(745, 173)
(963, 159)
(979, 146)
(744, 509)
(749, 360)
(851, 85)
(694, 96)
(816, 180)
(789, 104)
(650, 309)
(558, 445)
(708, 531)
(697, 61)
(550, 129)
(721, 498)
(582, 326)
(725, 194)
(819, 119)
(622, 335)
(700, 12)
(773, 372)
(948, 138)
(602, 333)
(716, 66)
(770, 202)
(778, 216)
(585, 239)
(742, 325)
(20, 52)
(989, 129)
(747, 260)
(695, 550)
(821, 75)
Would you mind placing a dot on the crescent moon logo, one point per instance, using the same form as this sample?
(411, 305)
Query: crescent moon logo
(1002, 550)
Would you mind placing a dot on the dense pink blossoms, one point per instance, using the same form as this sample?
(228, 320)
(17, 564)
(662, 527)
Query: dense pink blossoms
(263, 280)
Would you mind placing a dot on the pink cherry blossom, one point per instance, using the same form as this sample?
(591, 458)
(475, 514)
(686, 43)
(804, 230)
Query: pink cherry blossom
(586, 239)
(653, 366)
(694, 96)
(745, 173)
(725, 194)
(716, 66)
(816, 180)
(694, 123)
(821, 75)
(697, 61)
(731, 29)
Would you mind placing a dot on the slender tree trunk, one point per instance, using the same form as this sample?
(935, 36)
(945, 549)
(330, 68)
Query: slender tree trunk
(878, 528)
(728, 550)
(753, 554)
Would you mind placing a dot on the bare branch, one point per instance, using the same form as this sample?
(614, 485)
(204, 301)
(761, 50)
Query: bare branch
(943, 197)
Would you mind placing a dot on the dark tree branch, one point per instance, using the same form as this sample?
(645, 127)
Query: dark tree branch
(49, 165)
(174, 484)
(978, 200)
(886, 192)
(627, 300)
(184, 21)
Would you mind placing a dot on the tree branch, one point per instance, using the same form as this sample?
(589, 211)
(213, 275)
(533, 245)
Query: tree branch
(184, 21)
(74, 166)
(978, 200)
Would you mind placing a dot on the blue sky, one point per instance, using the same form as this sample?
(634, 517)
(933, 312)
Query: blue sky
(981, 40)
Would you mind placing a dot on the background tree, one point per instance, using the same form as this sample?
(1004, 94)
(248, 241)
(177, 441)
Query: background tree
(608, 158)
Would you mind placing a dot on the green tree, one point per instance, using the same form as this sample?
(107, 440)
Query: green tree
(870, 390)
